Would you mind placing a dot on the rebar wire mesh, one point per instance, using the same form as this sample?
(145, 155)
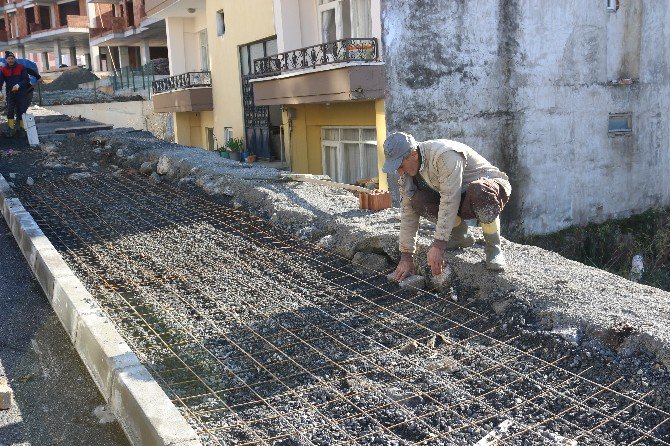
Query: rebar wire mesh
(260, 338)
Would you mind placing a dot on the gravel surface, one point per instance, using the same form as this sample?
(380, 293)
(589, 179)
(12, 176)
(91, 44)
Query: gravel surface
(259, 327)
(260, 337)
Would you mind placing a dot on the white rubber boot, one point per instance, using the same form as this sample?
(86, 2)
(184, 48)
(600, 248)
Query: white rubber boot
(495, 259)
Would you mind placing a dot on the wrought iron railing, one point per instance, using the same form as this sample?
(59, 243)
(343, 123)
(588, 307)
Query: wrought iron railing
(338, 51)
(186, 80)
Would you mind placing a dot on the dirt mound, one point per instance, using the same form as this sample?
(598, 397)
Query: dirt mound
(70, 79)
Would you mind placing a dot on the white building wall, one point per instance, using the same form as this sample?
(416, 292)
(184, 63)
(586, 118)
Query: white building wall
(526, 84)
(297, 23)
(184, 42)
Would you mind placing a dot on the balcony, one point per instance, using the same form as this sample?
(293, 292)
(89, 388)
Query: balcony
(337, 52)
(188, 92)
(77, 21)
(342, 70)
(113, 26)
(71, 21)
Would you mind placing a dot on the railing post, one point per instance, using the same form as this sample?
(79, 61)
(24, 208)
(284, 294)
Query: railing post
(133, 75)
(39, 92)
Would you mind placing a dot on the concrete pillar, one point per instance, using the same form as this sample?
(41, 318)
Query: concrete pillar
(175, 40)
(73, 56)
(58, 53)
(144, 52)
(380, 125)
(45, 60)
(124, 57)
(22, 51)
(95, 58)
(87, 61)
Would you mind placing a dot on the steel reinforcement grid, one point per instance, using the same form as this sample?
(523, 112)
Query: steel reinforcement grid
(261, 338)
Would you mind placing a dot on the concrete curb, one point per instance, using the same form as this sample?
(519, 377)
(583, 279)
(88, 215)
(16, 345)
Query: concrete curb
(146, 414)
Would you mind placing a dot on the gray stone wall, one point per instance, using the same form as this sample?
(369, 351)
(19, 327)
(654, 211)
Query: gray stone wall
(527, 83)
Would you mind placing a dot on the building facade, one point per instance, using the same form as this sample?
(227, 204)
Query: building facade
(234, 76)
(122, 35)
(103, 35)
(209, 44)
(571, 99)
(328, 78)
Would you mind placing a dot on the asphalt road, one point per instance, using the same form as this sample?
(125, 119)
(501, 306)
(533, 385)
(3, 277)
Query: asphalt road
(56, 401)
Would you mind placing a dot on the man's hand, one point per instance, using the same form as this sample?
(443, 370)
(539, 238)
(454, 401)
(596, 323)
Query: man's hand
(436, 260)
(2, 97)
(15, 87)
(404, 270)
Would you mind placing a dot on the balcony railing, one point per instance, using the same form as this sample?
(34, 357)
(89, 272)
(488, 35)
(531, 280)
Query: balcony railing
(339, 51)
(186, 80)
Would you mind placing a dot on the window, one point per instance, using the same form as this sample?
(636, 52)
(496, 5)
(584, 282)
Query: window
(349, 153)
(204, 50)
(227, 134)
(220, 24)
(253, 51)
(210, 138)
(620, 123)
(340, 19)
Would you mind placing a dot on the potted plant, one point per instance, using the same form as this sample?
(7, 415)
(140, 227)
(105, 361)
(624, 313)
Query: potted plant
(235, 146)
(223, 153)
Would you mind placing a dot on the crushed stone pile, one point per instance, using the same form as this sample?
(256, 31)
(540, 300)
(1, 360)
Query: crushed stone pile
(81, 96)
(70, 79)
(161, 66)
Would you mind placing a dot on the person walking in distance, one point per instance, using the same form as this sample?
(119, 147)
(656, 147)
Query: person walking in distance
(16, 79)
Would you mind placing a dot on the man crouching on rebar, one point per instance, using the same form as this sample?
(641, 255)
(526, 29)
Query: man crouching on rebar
(446, 182)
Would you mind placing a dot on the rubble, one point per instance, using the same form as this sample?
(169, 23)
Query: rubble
(70, 79)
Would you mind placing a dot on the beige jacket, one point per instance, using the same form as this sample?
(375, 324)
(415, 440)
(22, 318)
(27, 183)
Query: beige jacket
(448, 167)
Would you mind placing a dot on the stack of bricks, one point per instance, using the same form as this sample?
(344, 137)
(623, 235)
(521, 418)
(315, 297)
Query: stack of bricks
(375, 200)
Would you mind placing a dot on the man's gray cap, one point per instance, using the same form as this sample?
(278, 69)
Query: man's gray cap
(396, 148)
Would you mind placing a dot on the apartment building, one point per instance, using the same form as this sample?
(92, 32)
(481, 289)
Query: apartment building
(211, 46)
(101, 34)
(122, 35)
(329, 79)
(54, 30)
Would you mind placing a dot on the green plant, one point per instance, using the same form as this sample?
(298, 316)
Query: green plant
(235, 145)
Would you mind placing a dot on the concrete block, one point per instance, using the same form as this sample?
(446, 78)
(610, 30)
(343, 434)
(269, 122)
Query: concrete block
(49, 265)
(102, 350)
(414, 281)
(5, 395)
(71, 301)
(149, 417)
(33, 241)
(16, 217)
(5, 189)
